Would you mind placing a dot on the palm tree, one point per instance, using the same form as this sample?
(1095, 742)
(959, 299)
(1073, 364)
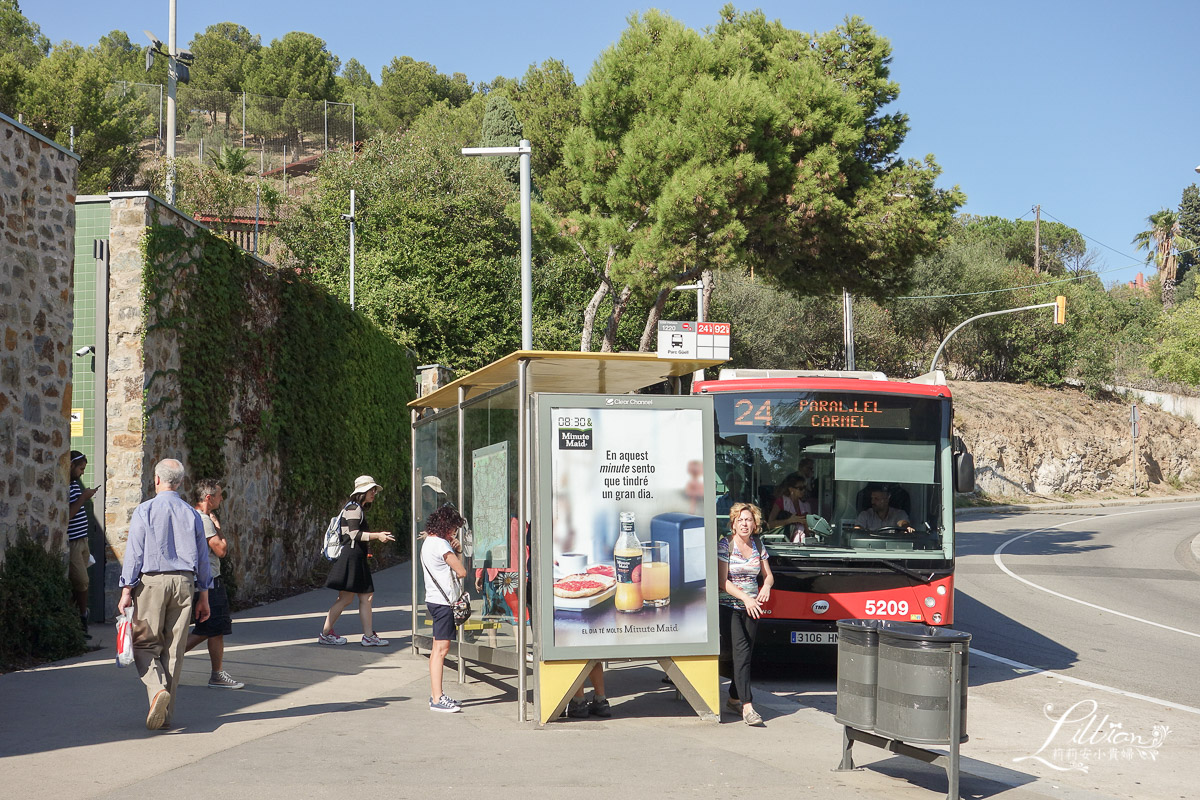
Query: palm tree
(233, 160)
(1162, 244)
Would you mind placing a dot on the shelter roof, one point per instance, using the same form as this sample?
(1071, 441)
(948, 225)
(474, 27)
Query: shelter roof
(567, 371)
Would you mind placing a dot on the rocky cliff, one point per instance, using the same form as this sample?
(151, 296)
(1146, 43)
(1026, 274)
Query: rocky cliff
(1029, 441)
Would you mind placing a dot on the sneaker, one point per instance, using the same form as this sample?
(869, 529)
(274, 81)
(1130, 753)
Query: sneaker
(443, 704)
(374, 641)
(751, 717)
(578, 708)
(331, 638)
(159, 707)
(450, 700)
(599, 707)
(223, 680)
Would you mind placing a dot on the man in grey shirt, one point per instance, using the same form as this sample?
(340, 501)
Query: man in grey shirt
(165, 560)
(881, 514)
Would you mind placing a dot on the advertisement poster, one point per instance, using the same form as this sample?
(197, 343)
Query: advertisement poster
(627, 537)
(489, 505)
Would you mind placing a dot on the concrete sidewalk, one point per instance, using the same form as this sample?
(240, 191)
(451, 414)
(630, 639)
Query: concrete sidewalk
(316, 720)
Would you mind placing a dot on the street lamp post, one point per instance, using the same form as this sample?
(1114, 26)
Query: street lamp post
(350, 218)
(698, 288)
(523, 150)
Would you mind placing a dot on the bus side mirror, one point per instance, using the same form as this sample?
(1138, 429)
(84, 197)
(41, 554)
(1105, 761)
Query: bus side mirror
(964, 468)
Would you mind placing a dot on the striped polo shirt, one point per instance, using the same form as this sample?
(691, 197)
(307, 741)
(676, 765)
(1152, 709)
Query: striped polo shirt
(77, 528)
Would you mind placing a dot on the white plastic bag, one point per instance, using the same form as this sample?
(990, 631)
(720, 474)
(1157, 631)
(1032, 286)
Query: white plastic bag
(125, 638)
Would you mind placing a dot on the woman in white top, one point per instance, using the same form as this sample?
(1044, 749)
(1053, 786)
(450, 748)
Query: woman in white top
(441, 559)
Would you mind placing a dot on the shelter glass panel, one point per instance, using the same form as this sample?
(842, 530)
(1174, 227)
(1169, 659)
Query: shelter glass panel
(435, 452)
(490, 496)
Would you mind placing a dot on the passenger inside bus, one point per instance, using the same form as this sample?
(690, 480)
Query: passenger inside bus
(789, 509)
(881, 513)
(734, 486)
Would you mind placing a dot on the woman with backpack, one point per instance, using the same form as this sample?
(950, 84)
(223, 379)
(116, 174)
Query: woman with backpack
(744, 579)
(350, 574)
(441, 558)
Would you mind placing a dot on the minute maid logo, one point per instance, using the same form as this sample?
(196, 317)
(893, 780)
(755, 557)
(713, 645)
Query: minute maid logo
(574, 438)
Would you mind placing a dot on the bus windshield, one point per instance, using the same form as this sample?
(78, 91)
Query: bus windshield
(837, 473)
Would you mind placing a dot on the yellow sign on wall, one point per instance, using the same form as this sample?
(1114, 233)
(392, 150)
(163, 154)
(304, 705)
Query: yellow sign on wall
(76, 422)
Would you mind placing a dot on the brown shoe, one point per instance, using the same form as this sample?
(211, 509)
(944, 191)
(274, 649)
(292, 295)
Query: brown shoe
(158, 710)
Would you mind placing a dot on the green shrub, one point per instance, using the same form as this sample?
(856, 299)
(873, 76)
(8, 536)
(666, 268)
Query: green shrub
(38, 622)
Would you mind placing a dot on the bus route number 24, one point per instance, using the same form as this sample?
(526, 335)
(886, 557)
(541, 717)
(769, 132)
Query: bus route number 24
(886, 608)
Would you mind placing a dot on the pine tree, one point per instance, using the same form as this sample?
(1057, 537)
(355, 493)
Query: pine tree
(1189, 226)
(501, 128)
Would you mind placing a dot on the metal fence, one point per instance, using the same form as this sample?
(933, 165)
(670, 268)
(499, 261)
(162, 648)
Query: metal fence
(283, 137)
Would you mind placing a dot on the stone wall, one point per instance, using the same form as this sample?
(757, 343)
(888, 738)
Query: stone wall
(143, 415)
(144, 421)
(37, 254)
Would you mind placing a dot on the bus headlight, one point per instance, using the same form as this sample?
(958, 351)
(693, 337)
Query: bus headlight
(929, 602)
(937, 618)
(941, 590)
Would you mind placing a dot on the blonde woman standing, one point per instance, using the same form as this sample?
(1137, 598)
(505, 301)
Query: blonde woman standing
(745, 581)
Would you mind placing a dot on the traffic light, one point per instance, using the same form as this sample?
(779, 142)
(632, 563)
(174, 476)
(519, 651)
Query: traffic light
(1060, 310)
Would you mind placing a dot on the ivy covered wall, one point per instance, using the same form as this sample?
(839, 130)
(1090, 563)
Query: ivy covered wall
(251, 375)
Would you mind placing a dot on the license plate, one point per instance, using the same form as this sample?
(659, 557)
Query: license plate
(814, 637)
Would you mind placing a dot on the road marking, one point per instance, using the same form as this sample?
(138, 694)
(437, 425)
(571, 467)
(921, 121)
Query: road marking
(1081, 682)
(999, 563)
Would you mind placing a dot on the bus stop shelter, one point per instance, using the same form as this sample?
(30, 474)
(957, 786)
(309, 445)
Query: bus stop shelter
(473, 445)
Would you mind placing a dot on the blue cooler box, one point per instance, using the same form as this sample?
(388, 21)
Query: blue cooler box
(684, 535)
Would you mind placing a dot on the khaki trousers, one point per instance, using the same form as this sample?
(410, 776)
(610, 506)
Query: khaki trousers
(162, 613)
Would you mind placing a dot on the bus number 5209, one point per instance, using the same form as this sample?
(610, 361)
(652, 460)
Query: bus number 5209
(886, 608)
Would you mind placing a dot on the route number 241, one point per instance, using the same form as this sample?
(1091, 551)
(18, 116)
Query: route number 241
(886, 608)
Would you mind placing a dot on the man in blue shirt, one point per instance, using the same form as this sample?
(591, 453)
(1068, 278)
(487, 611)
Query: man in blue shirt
(166, 559)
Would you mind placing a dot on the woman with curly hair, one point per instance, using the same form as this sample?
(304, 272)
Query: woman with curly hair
(744, 579)
(441, 559)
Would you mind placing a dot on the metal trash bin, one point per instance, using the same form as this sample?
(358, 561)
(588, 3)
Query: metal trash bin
(915, 680)
(858, 657)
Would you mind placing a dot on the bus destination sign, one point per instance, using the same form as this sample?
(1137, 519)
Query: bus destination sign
(791, 412)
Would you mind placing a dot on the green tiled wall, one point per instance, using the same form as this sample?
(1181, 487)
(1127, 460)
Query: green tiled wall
(91, 222)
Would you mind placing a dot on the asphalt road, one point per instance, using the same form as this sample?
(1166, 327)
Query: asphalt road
(1110, 596)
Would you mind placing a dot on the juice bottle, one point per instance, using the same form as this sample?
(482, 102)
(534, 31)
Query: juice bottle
(627, 559)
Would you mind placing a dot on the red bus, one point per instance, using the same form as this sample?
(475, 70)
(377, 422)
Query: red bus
(868, 464)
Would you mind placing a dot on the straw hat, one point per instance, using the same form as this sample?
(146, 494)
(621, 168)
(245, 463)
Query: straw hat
(365, 483)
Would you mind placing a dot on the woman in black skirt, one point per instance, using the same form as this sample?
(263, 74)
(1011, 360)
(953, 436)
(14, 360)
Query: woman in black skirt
(350, 574)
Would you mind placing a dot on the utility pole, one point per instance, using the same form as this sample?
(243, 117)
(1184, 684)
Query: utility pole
(350, 218)
(171, 88)
(177, 72)
(1037, 239)
(1133, 434)
(848, 328)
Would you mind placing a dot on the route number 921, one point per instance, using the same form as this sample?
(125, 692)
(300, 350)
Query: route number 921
(886, 608)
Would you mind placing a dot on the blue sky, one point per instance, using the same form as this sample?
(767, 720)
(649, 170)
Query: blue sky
(1086, 107)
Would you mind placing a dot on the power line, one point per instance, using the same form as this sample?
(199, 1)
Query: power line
(1088, 274)
(1084, 235)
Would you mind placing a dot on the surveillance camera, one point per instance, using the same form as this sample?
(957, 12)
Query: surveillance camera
(83, 351)
(348, 217)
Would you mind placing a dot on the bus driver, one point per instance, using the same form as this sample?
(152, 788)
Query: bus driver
(881, 514)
